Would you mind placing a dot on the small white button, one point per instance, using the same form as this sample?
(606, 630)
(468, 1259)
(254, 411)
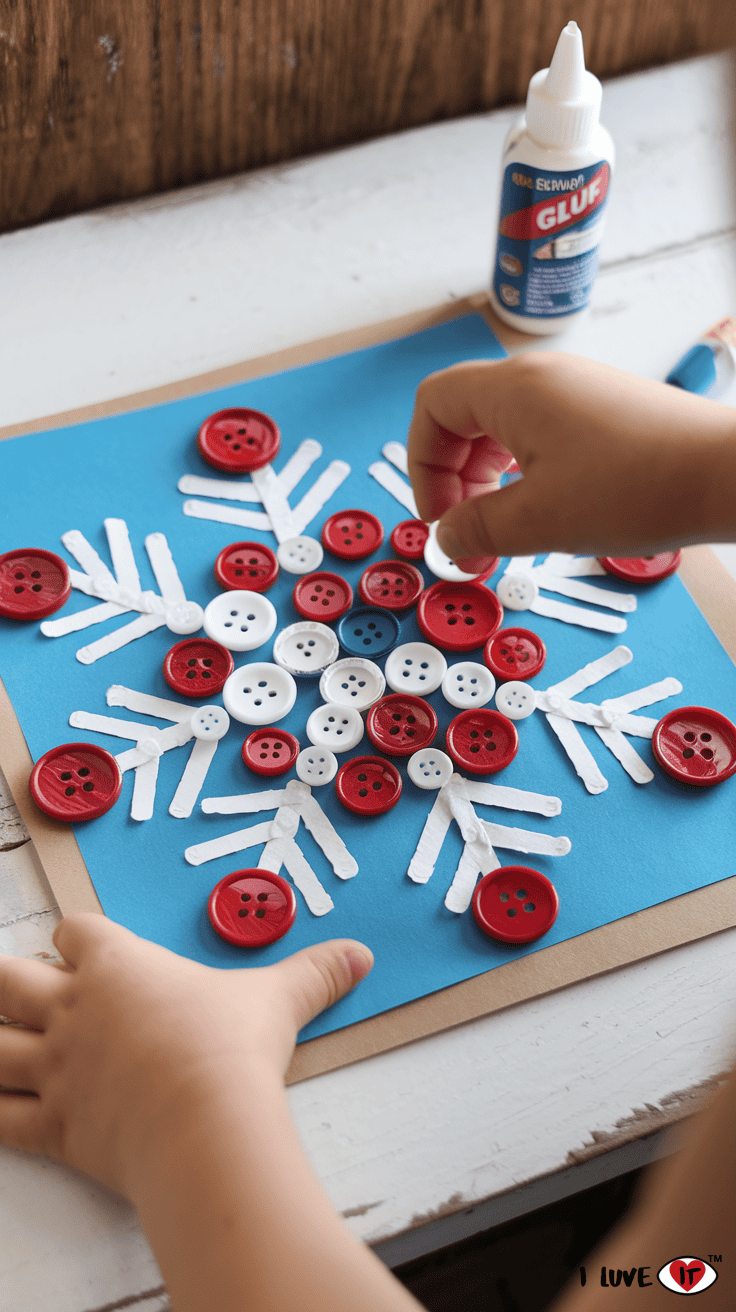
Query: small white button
(151, 748)
(241, 621)
(316, 766)
(260, 693)
(516, 699)
(517, 591)
(355, 682)
(210, 723)
(430, 769)
(300, 555)
(415, 667)
(338, 728)
(440, 564)
(307, 647)
(468, 684)
(184, 617)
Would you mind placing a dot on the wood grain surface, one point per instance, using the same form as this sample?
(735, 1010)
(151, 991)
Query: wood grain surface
(102, 102)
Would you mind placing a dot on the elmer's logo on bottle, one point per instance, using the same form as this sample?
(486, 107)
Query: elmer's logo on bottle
(550, 216)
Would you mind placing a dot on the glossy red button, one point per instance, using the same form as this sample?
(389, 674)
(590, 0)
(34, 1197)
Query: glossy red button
(409, 539)
(482, 741)
(246, 566)
(198, 667)
(251, 908)
(76, 781)
(401, 724)
(393, 584)
(269, 752)
(515, 904)
(515, 654)
(352, 534)
(459, 616)
(695, 745)
(368, 785)
(642, 569)
(33, 584)
(238, 441)
(322, 596)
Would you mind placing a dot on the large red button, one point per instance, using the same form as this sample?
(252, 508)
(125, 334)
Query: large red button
(368, 785)
(515, 654)
(352, 534)
(238, 441)
(322, 596)
(401, 724)
(251, 908)
(515, 904)
(393, 584)
(695, 745)
(642, 569)
(270, 752)
(409, 539)
(459, 616)
(246, 566)
(76, 781)
(482, 741)
(198, 667)
(33, 584)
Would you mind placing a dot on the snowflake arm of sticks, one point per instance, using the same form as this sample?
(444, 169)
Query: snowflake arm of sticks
(390, 480)
(519, 588)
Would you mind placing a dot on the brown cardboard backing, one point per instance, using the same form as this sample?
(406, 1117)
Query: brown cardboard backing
(644, 934)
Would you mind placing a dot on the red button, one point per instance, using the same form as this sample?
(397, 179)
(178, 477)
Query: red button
(352, 534)
(459, 616)
(368, 785)
(246, 566)
(269, 752)
(33, 584)
(251, 908)
(515, 654)
(401, 724)
(695, 745)
(515, 904)
(482, 741)
(198, 667)
(77, 781)
(393, 584)
(642, 569)
(322, 596)
(409, 538)
(239, 441)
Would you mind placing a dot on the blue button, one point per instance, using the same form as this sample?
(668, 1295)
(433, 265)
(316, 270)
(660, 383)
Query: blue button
(368, 631)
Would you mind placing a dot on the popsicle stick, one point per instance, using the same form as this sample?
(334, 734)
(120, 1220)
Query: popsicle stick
(422, 864)
(589, 713)
(227, 515)
(81, 582)
(244, 803)
(327, 838)
(520, 565)
(83, 619)
(319, 494)
(586, 619)
(299, 464)
(164, 569)
(121, 554)
(582, 760)
(397, 454)
(316, 897)
(654, 692)
(114, 641)
(567, 587)
(629, 758)
(86, 556)
(570, 567)
(145, 704)
(167, 739)
(464, 815)
(460, 893)
(514, 799)
(106, 724)
(195, 773)
(593, 672)
(144, 789)
(275, 503)
(525, 840)
(228, 489)
(395, 485)
(226, 844)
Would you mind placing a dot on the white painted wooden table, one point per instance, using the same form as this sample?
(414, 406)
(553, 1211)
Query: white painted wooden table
(450, 1135)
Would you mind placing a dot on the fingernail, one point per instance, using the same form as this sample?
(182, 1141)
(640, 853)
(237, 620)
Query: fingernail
(448, 542)
(359, 964)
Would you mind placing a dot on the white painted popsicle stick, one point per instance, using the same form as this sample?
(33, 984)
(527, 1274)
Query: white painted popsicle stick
(520, 565)
(86, 556)
(397, 454)
(82, 582)
(114, 641)
(572, 567)
(244, 803)
(227, 844)
(167, 739)
(195, 773)
(514, 799)
(121, 554)
(524, 840)
(327, 838)
(227, 515)
(579, 755)
(654, 692)
(106, 724)
(465, 817)
(460, 893)
(305, 880)
(422, 864)
(319, 494)
(164, 569)
(593, 672)
(299, 464)
(83, 619)
(394, 484)
(274, 502)
(144, 789)
(143, 703)
(627, 755)
(586, 619)
(589, 713)
(567, 587)
(229, 490)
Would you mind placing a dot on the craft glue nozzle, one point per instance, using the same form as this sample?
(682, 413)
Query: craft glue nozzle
(563, 102)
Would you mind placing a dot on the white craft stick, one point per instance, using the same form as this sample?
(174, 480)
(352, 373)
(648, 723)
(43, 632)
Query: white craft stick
(654, 692)
(397, 454)
(271, 857)
(86, 556)
(326, 836)
(299, 464)
(580, 757)
(144, 789)
(244, 803)
(422, 864)
(83, 619)
(571, 567)
(464, 815)
(227, 515)
(623, 601)
(226, 844)
(319, 494)
(121, 554)
(593, 672)
(175, 736)
(625, 753)
(162, 564)
(274, 502)
(316, 897)
(590, 713)
(145, 704)
(81, 582)
(195, 773)
(228, 489)
(460, 892)
(395, 485)
(106, 724)
(587, 619)
(114, 641)
(525, 840)
(514, 799)
(520, 565)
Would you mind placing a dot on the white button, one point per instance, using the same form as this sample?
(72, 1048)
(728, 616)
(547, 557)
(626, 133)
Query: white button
(210, 723)
(184, 617)
(300, 555)
(337, 727)
(517, 591)
(241, 621)
(440, 564)
(353, 681)
(415, 667)
(150, 747)
(516, 699)
(306, 647)
(259, 693)
(316, 766)
(468, 684)
(430, 769)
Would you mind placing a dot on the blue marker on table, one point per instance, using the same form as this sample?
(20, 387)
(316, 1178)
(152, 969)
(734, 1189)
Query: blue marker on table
(709, 367)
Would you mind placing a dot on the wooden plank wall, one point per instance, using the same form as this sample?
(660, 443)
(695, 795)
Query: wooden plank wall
(102, 101)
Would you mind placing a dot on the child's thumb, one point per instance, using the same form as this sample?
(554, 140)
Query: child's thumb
(318, 976)
(501, 523)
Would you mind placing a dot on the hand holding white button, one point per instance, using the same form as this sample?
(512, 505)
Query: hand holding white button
(516, 700)
(517, 591)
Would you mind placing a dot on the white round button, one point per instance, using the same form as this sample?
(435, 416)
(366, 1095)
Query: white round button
(210, 723)
(150, 747)
(415, 667)
(260, 693)
(316, 766)
(516, 700)
(517, 591)
(300, 555)
(241, 621)
(184, 617)
(468, 684)
(429, 768)
(307, 647)
(338, 728)
(354, 681)
(440, 564)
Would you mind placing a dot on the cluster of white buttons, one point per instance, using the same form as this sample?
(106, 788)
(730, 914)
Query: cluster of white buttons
(517, 591)
(355, 682)
(241, 621)
(300, 555)
(440, 564)
(307, 647)
(210, 723)
(516, 700)
(260, 693)
(430, 769)
(416, 668)
(468, 684)
(338, 728)
(316, 766)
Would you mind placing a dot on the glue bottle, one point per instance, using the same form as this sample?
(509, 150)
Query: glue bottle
(557, 165)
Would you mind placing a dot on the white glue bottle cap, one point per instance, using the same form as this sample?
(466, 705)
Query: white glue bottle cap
(564, 101)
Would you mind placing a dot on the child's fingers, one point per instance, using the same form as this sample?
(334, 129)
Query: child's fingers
(28, 989)
(77, 935)
(20, 1052)
(319, 976)
(508, 522)
(23, 1123)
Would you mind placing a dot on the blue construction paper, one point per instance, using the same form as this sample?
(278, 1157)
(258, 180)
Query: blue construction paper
(632, 846)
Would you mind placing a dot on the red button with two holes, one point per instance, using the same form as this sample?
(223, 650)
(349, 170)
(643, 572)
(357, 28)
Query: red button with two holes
(409, 539)
(400, 724)
(695, 745)
(238, 441)
(197, 667)
(642, 569)
(393, 584)
(322, 596)
(247, 566)
(482, 741)
(76, 781)
(515, 654)
(270, 752)
(367, 785)
(352, 534)
(459, 616)
(251, 908)
(33, 584)
(515, 904)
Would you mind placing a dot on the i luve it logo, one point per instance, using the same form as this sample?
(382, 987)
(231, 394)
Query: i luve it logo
(551, 216)
(687, 1275)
